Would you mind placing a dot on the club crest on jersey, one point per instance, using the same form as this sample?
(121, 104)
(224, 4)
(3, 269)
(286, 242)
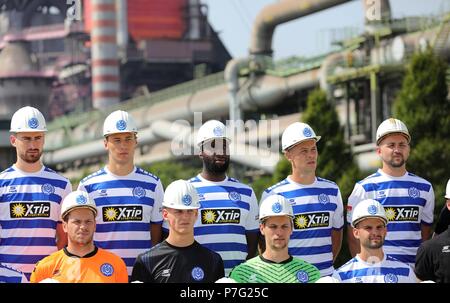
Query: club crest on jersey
(197, 274)
(302, 276)
(390, 278)
(138, 192)
(47, 189)
(324, 199)
(107, 269)
(234, 196)
(121, 125)
(122, 213)
(33, 123)
(220, 216)
(413, 192)
(402, 213)
(29, 210)
(186, 199)
(311, 220)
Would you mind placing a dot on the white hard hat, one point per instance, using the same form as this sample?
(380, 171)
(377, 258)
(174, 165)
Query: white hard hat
(447, 191)
(226, 280)
(297, 132)
(28, 119)
(328, 279)
(181, 194)
(77, 199)
(119, 122)
(275, 205)
(210, 130)
(368, 209)
(392, 126)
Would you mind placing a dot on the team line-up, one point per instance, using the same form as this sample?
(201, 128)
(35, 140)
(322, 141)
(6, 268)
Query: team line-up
(120, 225)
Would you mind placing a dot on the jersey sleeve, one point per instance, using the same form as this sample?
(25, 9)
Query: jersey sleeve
(338, 216)
(157, 204)
(428, 209)
(336, 275)
(40, 272)
(67, 190)
(122, 274)
(424, 268)
(358, 194)
(219, 271)
(264, 195)
(140, 272)
(252, 223)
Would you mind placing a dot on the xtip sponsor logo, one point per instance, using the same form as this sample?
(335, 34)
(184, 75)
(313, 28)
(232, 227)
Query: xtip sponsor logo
(29, 210)
(402, 213)
(122, 213)
(74, 10)
(311, 220)
(220, 216)
(252, 139)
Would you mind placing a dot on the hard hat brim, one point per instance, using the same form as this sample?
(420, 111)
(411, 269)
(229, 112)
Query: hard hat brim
(67, 211)
(179, 206)
(316, 138)
(211, 139)
(406, 135)
(369, 217)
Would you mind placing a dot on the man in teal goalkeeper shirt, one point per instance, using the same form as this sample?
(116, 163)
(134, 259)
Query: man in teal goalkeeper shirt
(275, 265)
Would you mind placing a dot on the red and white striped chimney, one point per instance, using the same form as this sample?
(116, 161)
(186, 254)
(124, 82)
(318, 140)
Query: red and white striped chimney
(105, 64)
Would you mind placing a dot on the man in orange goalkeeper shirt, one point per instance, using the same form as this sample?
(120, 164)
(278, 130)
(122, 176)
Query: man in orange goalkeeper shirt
(80, 261)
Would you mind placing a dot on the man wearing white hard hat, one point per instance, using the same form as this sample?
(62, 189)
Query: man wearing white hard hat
(371, 264)
(433, 256)
(80, 261)
(407, 198)
(317, 202)
(228, 215)
(31, 196)
(275, 264)
(179, 258)
(444, 216)
(128, 198)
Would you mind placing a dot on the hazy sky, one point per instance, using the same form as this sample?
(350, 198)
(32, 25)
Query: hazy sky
(307, 36)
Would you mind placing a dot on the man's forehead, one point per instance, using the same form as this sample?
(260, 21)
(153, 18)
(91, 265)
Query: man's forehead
(394, 138)
(30, 134)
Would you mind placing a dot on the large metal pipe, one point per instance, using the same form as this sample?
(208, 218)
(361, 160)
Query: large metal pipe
(122, 28)
(105, 65)
(281, 12)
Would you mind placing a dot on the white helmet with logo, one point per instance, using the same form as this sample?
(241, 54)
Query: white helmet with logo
(210, 130)
(275, 205)
(392, 126)
(28, 119)
(295, 133)
(368, 209)
(77, 199)
(181, 194)
(119, 122)
(447, 191)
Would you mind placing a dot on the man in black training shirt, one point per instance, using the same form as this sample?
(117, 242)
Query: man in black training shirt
(179, 259)
(433, 256)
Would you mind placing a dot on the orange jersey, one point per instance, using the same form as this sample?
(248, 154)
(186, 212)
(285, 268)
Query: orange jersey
(100, 266)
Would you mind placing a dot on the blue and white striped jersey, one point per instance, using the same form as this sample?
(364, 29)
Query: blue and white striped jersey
(388, 270)
(30, 208)
(126, 205)
(10, 275)
(317, 210)
(408, 202)
(228, 210)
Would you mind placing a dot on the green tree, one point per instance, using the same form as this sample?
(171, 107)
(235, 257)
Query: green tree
(422, 104)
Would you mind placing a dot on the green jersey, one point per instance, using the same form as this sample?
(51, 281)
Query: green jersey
(260, 270)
